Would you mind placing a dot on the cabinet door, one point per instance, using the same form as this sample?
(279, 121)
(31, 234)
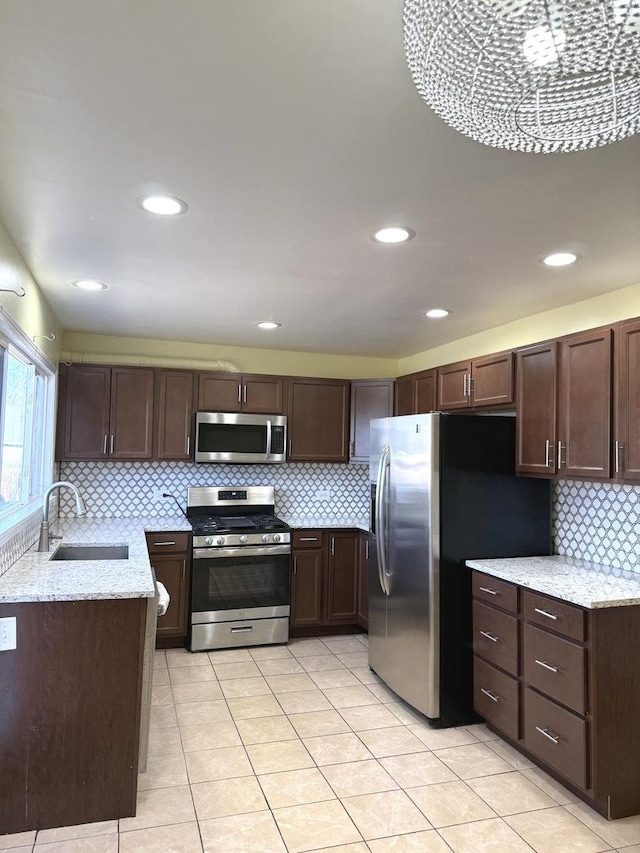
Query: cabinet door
(363, 581)
(306, 588)
(171, 570)
(174, 414)
(492, 380)
(369, 399)
(318, 420)
(405, 395)
(85, 413)
(627, 451)
(426, 393)
(584, 433)
(131, 413)
(219, 392)
(453, 386)
(342, 577)
(263, 395)
(536, 394)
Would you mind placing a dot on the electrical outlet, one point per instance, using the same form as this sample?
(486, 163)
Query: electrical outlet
(8, 634)
(157, 495)
(323, 494)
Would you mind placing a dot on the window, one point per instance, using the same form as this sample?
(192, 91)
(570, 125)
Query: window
(26, 415)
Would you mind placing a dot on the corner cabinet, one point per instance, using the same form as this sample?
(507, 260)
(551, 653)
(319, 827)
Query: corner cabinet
(559, 683)
(318, 420)
(415, 393)
(370, 398)
(169, 554)
(105, 413)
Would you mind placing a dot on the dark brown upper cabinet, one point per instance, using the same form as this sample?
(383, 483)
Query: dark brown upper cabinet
(416, 393)
(536, 409)
(106, 413)
(481, 383)
(318, 420)
(626, 456)
(233, 392)
(370, 398)
(174, 414)
(584, 407)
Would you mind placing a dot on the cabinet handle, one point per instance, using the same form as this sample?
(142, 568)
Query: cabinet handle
(308, 539)
(187, 445)
(559, 455)
(470, 384)
(239, 392)
(546, 665)
(547, 454)
(163, 544)
(618, 457)
(104, 445)
(333, 546)
(490, 636)
(544, 732)
(544, 613)
(244, 393)
(111, 446)
(295, 565)
(183, 570)
(289, 447)
(489, 591)
(366, 549)
(490, 695)
(353, 448)
(464, 385)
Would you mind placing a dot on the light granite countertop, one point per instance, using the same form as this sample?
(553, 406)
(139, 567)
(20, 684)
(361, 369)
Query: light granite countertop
(34, 577)
(306, 522)
(589, 585)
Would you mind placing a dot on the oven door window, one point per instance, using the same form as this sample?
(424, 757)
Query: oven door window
(232, 438)
(240, 583)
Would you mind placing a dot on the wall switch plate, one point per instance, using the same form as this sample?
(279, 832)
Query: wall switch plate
(323, 494)
(8, 634)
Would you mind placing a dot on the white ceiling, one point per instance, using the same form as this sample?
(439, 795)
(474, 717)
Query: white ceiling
(293, 130)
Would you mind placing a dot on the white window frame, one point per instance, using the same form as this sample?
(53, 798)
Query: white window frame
(17, 342)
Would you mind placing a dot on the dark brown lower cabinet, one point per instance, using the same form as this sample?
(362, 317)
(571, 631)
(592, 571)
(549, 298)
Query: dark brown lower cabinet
(363, 581)
(570, 703)
(70, 696)
(169, 554)
(326, 581)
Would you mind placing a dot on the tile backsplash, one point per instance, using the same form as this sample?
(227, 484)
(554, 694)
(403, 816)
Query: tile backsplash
(134, 489)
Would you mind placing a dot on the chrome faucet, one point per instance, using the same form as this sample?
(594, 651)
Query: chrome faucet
(43, 544)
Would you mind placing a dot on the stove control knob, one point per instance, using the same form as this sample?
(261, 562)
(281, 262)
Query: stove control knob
(208, 540)
(243, 539)
(220, 540)
(265, 537)
(276, 537)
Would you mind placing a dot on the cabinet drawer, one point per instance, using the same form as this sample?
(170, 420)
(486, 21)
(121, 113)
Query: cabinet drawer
(495, 697)
(556, 667)
(556, 736)
(496, 592)
(306, 539)
(168, 543)
(495, 637)
(558, 616)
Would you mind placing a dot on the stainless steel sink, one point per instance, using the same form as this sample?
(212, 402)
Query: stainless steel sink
(91, 552)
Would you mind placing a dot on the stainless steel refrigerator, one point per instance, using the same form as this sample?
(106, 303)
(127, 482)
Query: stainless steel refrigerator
(443, 490)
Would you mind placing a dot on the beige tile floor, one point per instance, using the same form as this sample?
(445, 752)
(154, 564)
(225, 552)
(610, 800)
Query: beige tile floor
(301, 748)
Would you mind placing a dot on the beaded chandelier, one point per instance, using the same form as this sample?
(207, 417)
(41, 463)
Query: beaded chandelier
(529, 75)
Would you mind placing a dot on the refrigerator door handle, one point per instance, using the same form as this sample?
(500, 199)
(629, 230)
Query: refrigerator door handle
(383, 467)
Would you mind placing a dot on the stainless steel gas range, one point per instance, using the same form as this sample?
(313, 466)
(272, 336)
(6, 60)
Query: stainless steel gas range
(241, 576)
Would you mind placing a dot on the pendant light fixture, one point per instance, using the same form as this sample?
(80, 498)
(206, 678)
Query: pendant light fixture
(529, 75)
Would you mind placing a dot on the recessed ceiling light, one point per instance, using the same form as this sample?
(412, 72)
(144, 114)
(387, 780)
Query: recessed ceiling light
(434, 313)
(394, 234)
(89, 284)
(163, 205)
(560, 259)
(268, 324)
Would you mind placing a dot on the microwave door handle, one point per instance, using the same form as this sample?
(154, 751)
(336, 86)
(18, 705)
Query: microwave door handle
(268, 453)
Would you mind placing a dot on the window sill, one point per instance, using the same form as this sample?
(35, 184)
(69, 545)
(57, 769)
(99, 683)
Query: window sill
(18, 518)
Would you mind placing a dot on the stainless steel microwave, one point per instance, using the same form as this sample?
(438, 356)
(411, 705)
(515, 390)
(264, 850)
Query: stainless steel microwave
(230, 437)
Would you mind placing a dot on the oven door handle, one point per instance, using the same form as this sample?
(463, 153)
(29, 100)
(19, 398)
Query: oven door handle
(257, 551)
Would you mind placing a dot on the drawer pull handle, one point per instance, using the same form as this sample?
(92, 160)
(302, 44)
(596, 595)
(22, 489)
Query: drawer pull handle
(491, 696)
(488, 591)
(242, 630)
(546, 665)
(163, 544)
(547, 734)
(544, 613)
(490, 636)
(308, 539)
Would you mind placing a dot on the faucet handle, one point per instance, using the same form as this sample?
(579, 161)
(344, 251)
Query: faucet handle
(53, 536)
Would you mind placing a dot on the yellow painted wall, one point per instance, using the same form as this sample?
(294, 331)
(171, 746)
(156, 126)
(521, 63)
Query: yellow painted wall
(83, 347)
(598, 311)
(31, 312)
